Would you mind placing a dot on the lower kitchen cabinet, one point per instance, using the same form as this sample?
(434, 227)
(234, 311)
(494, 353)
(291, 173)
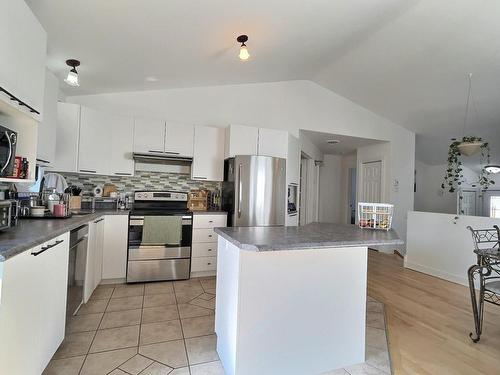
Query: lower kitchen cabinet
(114, 259)
(33, 307)
(93, 275)
(204, 247)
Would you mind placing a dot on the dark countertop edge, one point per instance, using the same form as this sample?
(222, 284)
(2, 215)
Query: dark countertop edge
(306, 246)
(208, 212)
(82, 220)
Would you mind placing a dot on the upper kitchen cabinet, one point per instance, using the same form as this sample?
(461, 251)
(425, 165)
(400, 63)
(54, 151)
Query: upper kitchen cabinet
(122, 143)
(241, 140)
(293, 160)
(149, 135)
(273, 142)
(179, 139)
(47, 129)
(94, 144)
(208, 158)
(68, 130)
(22, 66)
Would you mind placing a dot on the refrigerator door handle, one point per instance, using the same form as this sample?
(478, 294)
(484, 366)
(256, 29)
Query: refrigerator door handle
(240, 187)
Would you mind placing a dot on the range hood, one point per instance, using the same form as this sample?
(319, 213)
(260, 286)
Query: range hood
(162, 158)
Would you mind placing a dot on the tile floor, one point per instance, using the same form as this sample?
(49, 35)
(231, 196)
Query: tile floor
(168, 328)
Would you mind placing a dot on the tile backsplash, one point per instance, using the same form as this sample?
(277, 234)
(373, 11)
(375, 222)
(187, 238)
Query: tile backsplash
(141, 181)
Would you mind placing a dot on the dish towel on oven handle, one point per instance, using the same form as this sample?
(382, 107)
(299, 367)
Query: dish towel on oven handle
(162, 230)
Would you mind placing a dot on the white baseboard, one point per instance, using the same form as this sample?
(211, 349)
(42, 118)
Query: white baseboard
(462, 280)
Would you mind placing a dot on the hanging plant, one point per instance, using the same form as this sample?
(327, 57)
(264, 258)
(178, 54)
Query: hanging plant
(453, 177)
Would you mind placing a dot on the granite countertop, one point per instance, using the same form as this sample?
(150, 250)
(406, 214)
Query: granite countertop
(310, 236)
(32, 232)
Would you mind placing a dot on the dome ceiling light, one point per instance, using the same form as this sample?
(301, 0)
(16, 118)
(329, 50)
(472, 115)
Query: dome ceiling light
(243, 55)
(492, 168)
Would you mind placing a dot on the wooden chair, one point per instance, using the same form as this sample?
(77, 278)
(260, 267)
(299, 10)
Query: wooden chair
(486, 272)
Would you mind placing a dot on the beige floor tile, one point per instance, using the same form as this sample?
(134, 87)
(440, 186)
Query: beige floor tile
(208, 283)
(75, 344)
(340, 371)
(83, 323)
(201, 349)
(192, 285)
(127, 303)
(375, 320)
(180, 371)
(93, 307)
(114, 319)
(160, 314)
(363, 369)
(103, 363)
(210, 291)
(136, 364)
(118, 372)
(187, 310)
(207, 296)
(378, 358)
(187, 296)
(374, 307)
(376, 337)
(67, 366)
(115, 338)
(102, 293)
(128, 291)
(164, 287)
(163, 331)
(210, 304)
(170, 353)
(200, 326)
(158, 369)
(159, 300)
(211, 368)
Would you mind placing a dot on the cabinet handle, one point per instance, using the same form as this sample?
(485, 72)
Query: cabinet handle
(210, 235)
(210, 221)
(87, 171)
(157, 152)
(43, 161)
(98, 221)
(172, 153)
(199, 178)
(123, 174)
(209, 249)
(45, 248)
(209, 264)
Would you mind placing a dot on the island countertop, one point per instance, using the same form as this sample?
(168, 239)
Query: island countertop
(310, 236)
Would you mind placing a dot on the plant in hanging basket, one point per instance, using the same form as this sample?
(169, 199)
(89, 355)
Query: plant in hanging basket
(470, 145)
(453, 177)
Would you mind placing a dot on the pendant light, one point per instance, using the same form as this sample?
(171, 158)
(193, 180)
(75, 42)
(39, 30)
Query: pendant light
(492, 168)
(243, 55)
(72, 78)
(469, 148)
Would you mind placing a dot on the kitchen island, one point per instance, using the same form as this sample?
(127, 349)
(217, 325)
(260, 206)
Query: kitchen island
(292, 300)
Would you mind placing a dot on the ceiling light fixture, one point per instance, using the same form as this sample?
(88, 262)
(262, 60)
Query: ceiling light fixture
(243, 55)
(72, 78)
(492, 168)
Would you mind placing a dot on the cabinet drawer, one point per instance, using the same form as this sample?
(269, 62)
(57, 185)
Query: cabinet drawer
(204, 235)
(209, 221)
(203, 264)
(204, 250)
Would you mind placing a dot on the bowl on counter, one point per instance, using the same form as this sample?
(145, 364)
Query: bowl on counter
(38, 211)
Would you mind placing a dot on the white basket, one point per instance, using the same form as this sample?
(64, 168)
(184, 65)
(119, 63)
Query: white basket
(375, 215)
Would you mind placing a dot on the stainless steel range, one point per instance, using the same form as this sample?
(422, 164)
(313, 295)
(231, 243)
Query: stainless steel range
(159, 238)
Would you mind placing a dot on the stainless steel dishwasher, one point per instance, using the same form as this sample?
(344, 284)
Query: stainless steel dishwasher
(78, 243)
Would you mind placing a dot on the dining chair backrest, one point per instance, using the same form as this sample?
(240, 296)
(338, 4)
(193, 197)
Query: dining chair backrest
(486, 238)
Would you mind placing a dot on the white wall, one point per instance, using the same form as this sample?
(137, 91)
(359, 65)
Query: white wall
(330, 187)
(309, 148)
(290, 105)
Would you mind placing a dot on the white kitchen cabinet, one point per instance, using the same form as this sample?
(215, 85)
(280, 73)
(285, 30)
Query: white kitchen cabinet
(67, 139)
(94, 144)
(94, 256)
(33, 306)
(47, 129)
(273, 143)
(293, 160)
(179, 139)
(121, 162)
(22, 66)
(149, 135)
(241, 140)
(114, 260)
(208, 157)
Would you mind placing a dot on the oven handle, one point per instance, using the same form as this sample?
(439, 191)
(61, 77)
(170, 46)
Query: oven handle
(139, 220)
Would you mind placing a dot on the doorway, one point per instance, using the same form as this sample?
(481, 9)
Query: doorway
(351, 195)
(491, 203)
(467, 203)
(309, 174)
(371, 182)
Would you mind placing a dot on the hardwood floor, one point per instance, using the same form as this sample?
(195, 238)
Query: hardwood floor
(429, 321)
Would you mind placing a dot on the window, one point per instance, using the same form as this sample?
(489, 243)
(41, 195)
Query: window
(495, 207)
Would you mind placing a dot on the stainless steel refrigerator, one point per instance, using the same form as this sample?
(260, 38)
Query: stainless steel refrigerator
(254, 190)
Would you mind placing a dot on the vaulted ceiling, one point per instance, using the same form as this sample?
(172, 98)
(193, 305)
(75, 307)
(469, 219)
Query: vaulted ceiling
(407, 60)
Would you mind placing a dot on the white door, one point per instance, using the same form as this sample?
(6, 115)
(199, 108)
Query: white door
(114, 257)
(149, 135)
(491, 203)
(179, 139)
(467, 203)
(371, 182)
(208, 158)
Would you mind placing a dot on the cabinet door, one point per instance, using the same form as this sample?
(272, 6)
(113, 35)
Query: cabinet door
(122, 143)
(97, 241)
(46, 143)
(68, 130)
(90, 277)
(179, 139)
(293, 160)
(208, 157)
(149, 135)
(54, 267)
(10, 17)
(95, 133)
(273, 143)
(20, 318)
(241, 140)
(114, 260)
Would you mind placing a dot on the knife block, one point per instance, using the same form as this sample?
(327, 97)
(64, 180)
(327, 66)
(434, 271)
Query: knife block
(75, 202)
